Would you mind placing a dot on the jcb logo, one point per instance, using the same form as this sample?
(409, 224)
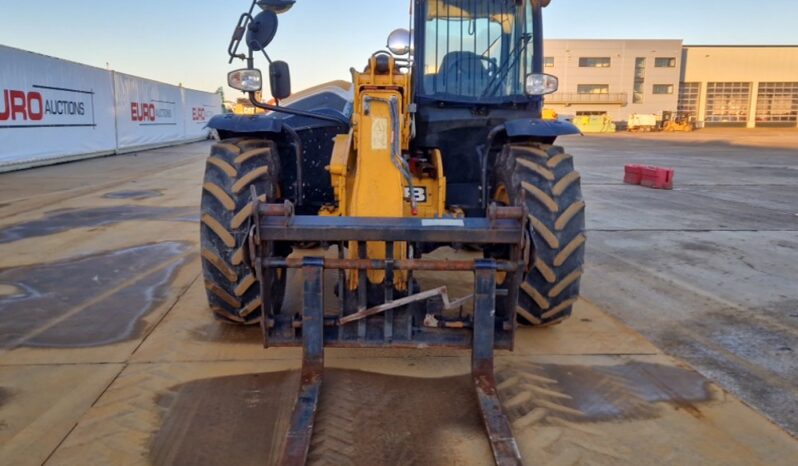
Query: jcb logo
(142, 112)
(419, 193)
(21, 105)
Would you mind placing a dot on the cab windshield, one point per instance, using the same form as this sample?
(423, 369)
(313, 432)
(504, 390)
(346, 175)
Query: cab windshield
(476, 50)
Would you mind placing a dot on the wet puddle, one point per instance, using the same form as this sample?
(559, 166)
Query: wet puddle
(88, 301)
(600, 393)
(57, 221)
(135, 195)
(364, 419)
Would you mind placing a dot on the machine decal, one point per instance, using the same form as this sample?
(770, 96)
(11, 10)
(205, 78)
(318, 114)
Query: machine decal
(379, 134)
(442, 222)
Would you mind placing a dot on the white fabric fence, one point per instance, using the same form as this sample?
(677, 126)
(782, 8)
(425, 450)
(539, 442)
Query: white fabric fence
(54, 110)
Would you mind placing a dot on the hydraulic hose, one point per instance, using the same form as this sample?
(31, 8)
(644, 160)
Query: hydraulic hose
(396, 152)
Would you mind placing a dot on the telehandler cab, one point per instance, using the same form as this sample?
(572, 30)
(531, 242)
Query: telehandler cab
(437, 142)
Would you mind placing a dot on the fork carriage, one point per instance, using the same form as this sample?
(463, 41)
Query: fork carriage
(416, 320)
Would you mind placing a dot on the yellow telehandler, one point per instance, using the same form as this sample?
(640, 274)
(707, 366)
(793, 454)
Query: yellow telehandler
(438, 141)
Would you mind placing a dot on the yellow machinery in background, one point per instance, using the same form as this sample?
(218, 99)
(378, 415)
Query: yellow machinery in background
(549, 114)
(677, 122)
(594, 124)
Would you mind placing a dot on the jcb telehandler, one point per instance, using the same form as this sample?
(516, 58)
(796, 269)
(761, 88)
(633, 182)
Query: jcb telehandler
(438, 142)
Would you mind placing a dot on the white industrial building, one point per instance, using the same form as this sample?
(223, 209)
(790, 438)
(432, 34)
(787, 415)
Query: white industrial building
(744, 86)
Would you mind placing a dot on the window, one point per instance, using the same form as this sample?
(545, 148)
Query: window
(593, 89)
(640, 68)
(689, 93)
(594, 62)
(548, 62)
(665, 62)
(727, 103)
(476, 51)
(661, 89)
(777, 103)
(637, 95)
(640, 79)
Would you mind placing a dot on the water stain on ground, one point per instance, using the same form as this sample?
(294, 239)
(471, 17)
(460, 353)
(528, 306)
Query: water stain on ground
(364, 419)
(750, 353)
(5, 395)
(221, 332)
(237, 420)
(787, 244)
(88, 301)
(630, 390)
(135, 195)
(700, 246)
(600, 393)
(369, 419)
(57, 221)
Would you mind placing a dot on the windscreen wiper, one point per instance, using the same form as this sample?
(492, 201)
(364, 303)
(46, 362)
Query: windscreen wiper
(501, 75)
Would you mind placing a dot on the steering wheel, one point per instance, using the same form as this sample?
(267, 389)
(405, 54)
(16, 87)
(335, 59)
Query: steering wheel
(462, 63)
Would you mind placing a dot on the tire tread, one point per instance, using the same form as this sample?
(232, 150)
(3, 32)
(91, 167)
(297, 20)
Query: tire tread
(234, 166)
(558, 222)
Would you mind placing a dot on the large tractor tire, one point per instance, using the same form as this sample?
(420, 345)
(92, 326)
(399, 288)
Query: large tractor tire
(543, 178)
(233, 167)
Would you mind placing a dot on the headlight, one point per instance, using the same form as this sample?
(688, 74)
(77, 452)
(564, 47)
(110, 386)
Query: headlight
(541, 84)
(245, 80)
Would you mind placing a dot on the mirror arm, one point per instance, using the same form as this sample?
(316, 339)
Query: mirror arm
(250, 60)
(238, 33)
(291, 111)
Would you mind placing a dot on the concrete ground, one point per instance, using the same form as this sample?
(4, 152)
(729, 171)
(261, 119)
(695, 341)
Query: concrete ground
(108, 354)
(707, 271)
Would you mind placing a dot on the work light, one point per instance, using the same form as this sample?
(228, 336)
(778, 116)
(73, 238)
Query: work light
(245, 80)
(541, 84)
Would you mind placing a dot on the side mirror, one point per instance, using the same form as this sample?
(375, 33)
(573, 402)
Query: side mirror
(280, 76)
(399, 42)
(261, 30)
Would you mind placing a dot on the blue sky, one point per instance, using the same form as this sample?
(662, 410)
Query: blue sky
(185, 41)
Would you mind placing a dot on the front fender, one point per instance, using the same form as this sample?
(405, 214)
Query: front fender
(246, 123)
(534, 127)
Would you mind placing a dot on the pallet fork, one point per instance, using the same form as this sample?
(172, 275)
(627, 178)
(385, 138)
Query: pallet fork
(411, 321)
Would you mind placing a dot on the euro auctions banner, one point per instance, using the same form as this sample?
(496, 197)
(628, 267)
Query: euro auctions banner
(52, 108)
(199, 108)
(147, 112)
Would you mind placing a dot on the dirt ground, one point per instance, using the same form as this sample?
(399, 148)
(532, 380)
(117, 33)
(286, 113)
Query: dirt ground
(108, 354)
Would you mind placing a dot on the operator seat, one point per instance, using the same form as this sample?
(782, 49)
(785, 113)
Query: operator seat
(462, 73)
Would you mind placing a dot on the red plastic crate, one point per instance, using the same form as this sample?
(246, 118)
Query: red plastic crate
(633, 174)
(657, 177)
